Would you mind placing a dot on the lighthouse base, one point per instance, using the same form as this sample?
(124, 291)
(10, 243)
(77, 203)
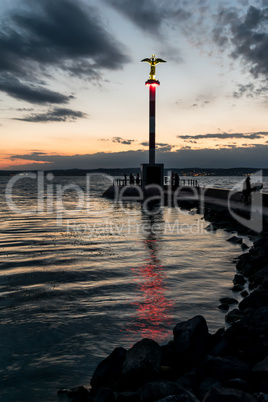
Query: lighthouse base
(152, 174)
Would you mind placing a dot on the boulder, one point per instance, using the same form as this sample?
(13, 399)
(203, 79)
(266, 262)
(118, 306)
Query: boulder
(239, 279)
(244, 246)
(260, 376)
(153, 391)
(235, 240)
(224, 368)
(191, 339)
(237, 288)
(220, 394)
(129, 397)
(228, 300)
(233, 316)
(104, 395)
(108, 370)
(224, 306)
(183, 396)
(141, 364)
(256, 299)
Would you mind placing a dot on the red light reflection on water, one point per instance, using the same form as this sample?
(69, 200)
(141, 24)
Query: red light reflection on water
(152, 307)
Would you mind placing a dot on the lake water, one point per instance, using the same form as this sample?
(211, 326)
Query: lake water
(81, 275)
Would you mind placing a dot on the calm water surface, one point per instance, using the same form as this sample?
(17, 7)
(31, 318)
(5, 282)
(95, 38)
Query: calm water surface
(74, 284)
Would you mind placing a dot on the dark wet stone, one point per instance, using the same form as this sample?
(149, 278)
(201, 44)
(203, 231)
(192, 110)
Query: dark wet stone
(142, 363)
(168, 358)
(238, 383)
(235, 240)
(260, 276)
(184, 396)
(260, 376)
(129, 397)
(224, 368)
(233, 315)
(220, 394)
(79, 394)
(261, 397)
(239, 279)
(108, 371)
(258, 298)
(228, 300)
(191, 338)
(158, 390)
(244, 293)
(244, 246)
(224, 306)
(237, 288)
(105, 395)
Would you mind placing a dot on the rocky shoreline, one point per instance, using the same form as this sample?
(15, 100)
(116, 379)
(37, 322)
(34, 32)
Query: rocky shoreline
(230, 365)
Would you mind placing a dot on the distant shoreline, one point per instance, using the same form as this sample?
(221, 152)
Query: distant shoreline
(195, 171)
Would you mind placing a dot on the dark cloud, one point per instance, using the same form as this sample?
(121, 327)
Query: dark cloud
(247, 35)
(164, 147)
(31, 93)
(55, 115)
(151, 15)
(160, 146)
(58, 34)
(248, 90)
(225, 157)
(145, 14)
(122, 141)
(251, 136)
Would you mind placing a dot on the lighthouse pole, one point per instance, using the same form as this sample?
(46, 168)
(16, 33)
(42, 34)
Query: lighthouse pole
(151, 172)
(152, 95)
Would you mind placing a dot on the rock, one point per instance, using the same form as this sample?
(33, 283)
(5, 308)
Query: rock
(211, 228)
(244, 246)
(168, 358)
(188, 381)
(190, 338)
(183, 396)
(237, 383)
(108, 371)
(158, 389)
(142, 363)
(237, 288)
(258, 298)
(224, 306)
(105, 395)
(224, 368)
(206, 384)
(128, 397)
(228, 300)
(239, 279)
(79, 394)
(261, 397)
(260, 376)
(244, 293)
(235, 240)
(220, 394)
(261, 367)
(260, 276)
(233, 315)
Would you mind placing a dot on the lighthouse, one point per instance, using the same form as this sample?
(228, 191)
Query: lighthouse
(152, 173)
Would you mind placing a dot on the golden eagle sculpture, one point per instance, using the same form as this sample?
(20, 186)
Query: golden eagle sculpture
(153, 62)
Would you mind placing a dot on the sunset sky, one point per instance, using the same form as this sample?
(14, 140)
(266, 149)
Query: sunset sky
(72, 91)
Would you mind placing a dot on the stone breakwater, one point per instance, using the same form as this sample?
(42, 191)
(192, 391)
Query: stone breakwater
(230, 365)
